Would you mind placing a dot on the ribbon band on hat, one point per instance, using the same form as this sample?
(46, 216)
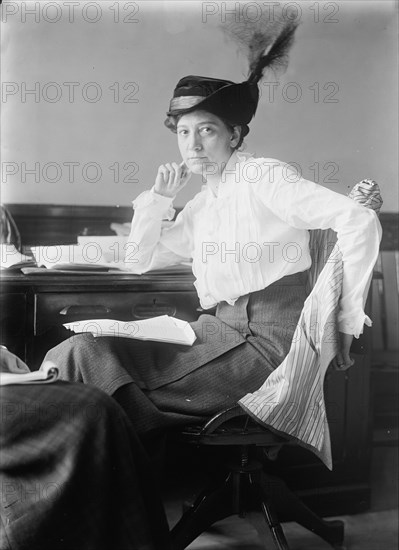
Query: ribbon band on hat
(184, 102)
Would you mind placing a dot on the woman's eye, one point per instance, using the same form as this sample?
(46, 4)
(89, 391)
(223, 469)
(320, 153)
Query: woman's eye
(182, 132)
(206, 130)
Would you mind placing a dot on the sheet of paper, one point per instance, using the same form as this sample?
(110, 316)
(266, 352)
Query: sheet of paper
(161, 329)
(10, 256)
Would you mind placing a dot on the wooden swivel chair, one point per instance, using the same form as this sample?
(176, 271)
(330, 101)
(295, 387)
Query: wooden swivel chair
(246, 489)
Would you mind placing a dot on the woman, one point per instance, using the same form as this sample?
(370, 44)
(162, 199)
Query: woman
(247, 233)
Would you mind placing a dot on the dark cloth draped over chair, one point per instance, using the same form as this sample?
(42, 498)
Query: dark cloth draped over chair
(73, 475)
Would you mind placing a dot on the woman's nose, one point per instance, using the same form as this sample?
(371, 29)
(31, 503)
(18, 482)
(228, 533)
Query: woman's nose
(195, 143)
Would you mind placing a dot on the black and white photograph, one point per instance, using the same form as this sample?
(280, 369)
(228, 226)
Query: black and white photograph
(199, 281)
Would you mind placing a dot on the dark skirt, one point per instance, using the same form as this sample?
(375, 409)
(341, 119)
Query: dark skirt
(162, 386)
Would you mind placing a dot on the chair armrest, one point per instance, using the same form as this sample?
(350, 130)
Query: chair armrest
(233, 426)
(223, 416)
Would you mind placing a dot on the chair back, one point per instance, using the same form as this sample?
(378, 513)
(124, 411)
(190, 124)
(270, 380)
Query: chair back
(277, 404)
(321, 245)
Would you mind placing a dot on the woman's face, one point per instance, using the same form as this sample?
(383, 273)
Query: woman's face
(205, 142)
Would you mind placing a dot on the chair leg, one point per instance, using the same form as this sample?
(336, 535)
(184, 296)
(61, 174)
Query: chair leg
(287, 501)
(275, 527)
(246, 493)
(274, 534)
(213, 504)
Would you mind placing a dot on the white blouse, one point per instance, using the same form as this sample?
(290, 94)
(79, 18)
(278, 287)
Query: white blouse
(253, 230)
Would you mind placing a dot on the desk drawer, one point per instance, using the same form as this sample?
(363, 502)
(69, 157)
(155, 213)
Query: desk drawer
(53, 310)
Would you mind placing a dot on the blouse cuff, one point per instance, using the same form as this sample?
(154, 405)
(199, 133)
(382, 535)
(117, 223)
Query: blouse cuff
(157, 206)
(354, 325)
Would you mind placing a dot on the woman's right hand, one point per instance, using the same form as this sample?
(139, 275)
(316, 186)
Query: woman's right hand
(171, 178)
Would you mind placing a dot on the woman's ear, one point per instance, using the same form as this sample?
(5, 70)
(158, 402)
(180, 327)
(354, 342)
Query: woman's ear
(235, 136)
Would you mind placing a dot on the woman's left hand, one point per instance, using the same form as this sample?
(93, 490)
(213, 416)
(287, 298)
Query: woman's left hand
(343, 360)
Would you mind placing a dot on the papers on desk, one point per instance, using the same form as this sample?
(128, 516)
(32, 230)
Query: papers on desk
(47, 373)
(89, 257)
(10, 257)
(93, 255)
(158, 329)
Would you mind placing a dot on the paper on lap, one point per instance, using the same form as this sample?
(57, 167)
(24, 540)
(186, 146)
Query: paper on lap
(159, 329)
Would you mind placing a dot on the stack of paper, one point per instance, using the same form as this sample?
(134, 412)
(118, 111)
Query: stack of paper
(74, 257)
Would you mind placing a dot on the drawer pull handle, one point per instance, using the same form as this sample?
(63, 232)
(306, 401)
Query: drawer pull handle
(85, 310)
(147, 310)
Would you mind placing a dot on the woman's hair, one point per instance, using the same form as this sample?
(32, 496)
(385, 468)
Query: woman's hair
(172, 120)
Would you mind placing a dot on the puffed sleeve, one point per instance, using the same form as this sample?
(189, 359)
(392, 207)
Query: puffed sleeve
(150, 245)
(306, 205)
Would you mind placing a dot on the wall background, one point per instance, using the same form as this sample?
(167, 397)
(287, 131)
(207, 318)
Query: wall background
(345, 52)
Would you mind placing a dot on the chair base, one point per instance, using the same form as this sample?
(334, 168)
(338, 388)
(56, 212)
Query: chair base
(248, 492)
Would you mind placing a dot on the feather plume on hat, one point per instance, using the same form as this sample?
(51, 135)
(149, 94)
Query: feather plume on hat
(265, 42)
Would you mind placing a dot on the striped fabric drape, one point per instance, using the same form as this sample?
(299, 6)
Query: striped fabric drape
(291, 401)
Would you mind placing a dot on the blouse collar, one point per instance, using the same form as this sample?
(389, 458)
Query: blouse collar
(230, 176)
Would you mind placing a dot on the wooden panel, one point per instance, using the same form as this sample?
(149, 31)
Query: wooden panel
(47, 224)
(377, 308)
(385, 307)
(52, 224)
(385, 352)
(13, 322)
(391, 292)
(390, 235)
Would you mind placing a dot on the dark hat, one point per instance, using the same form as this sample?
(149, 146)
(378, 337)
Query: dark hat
(235, 103)
(266, 44)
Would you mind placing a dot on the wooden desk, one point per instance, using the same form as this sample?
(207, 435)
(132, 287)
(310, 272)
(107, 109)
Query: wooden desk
(33, 309)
